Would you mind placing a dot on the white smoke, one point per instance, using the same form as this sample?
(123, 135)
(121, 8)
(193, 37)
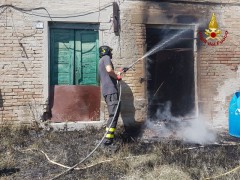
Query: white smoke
(190, 130)
(164, 124)
(198, 132)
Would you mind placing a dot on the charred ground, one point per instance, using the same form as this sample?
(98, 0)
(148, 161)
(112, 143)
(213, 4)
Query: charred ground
(22, 156)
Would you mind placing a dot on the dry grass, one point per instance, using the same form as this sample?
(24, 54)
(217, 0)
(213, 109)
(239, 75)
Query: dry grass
(164, 160)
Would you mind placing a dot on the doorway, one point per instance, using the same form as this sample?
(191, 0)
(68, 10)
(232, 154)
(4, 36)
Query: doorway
(170, 72)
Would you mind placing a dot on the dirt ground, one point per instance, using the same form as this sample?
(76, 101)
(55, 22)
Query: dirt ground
(29, 153)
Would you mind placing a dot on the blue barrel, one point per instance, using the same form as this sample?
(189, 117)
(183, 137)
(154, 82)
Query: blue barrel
(234, 115)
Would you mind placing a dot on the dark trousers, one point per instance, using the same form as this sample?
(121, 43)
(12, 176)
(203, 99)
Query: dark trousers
(112, 102)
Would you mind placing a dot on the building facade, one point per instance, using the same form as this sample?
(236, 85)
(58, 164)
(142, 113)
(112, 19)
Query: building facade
(188, 54)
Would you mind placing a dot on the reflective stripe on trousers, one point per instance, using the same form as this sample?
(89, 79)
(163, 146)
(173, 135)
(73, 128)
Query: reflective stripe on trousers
(112, 102)
(110, 132)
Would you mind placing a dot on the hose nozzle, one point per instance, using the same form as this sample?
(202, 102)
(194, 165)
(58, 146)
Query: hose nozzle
(125, 69)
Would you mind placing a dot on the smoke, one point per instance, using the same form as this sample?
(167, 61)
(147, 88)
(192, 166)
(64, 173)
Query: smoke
(198, 132)
(188, 129)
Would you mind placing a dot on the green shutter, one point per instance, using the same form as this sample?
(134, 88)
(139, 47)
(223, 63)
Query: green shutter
(86, 57)
(78, 57)
(74, 57)
(62, 54)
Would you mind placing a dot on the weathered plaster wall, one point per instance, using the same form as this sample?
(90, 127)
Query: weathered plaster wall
(219, 68)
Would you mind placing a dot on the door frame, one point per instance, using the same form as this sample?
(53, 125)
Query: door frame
(195, 32)
(64, 25)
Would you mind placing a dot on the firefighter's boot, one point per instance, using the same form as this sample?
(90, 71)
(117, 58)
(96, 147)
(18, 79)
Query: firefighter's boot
(109, 136)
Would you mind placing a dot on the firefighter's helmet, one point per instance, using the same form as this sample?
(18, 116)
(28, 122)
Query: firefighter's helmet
(105, 50)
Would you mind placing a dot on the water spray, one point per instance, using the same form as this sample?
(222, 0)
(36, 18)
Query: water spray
(158, 47)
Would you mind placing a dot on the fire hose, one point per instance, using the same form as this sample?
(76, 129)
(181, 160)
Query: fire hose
(100, 142)
(122, 70)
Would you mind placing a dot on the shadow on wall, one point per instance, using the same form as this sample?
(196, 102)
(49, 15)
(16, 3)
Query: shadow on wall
(132, 127)
(1, 99)
(1, 104)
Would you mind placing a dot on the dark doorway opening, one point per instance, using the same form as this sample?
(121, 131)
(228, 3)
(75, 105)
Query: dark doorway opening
(170, 73)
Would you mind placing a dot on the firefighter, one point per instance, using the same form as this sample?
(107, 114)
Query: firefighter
(109, 79)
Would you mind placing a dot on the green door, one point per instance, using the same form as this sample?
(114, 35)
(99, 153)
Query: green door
(74, 57)
(86, 57)
(74, 89)
(62, 56)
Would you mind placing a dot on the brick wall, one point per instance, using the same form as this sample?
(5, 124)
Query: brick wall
(21, 66)
(217, 66)
(24, 53)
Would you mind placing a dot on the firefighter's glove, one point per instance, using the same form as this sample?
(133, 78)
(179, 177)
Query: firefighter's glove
(119, 78)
